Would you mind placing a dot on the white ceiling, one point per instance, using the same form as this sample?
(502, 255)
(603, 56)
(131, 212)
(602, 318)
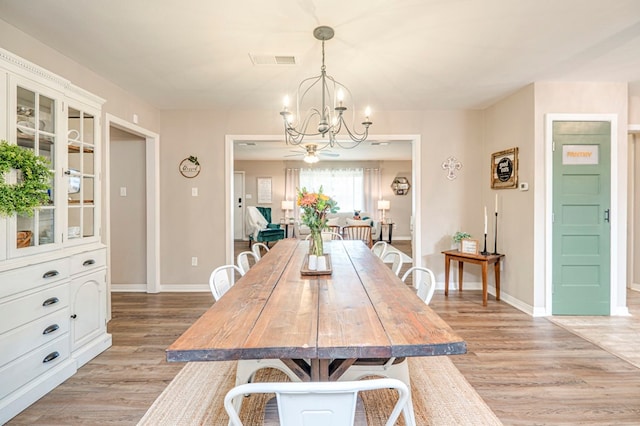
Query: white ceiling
(392, 54)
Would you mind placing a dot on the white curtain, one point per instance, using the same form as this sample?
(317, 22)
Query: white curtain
(371, 189)
(291, 185)
(343, 185)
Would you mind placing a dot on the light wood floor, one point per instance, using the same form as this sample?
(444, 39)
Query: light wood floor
(528, 370)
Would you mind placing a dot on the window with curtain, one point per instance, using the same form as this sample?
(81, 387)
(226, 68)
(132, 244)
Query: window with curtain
(346, 186)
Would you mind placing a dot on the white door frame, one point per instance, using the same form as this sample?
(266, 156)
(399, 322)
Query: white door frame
(152, 150)
(242, 210)
(617, 292)
(416, 167)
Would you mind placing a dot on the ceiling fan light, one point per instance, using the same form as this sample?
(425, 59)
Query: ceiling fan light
(311, 158)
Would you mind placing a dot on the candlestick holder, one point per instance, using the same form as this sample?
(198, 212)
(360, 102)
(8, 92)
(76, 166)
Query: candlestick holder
(495, 236)
(484, 252)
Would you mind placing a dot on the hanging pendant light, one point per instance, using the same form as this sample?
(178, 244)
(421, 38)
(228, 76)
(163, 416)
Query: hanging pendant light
(327, 120)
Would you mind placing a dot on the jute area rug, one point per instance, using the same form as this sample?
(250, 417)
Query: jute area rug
(441, 396)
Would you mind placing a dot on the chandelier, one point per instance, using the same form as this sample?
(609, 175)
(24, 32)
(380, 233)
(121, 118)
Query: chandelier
(327, 120)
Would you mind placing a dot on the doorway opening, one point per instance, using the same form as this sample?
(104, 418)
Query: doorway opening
(148, 159)
(230, 199)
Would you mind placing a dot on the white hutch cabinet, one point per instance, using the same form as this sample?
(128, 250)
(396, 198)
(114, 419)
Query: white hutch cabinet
(53, 296)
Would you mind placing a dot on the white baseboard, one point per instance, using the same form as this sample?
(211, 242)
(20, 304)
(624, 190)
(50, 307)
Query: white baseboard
(128, 288)
(164, 288)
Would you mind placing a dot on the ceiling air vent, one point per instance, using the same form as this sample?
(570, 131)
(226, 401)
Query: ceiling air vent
(272, 59)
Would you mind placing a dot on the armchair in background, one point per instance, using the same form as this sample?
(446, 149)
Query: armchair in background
(259, 226)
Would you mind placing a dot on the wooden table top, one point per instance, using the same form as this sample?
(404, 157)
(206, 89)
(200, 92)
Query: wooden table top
(479, 256)
(362, 310)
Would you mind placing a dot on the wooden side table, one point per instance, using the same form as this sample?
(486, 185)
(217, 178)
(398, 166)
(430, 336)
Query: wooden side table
(388, 225)
(477, 259)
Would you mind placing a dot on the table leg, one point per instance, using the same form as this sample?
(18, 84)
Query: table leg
(390, 232)
(497, 272)
(484, 283)
(447, 263)
(460, 273)
(319, 370)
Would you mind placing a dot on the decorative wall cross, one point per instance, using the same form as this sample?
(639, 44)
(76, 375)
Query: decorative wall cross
(451, 165)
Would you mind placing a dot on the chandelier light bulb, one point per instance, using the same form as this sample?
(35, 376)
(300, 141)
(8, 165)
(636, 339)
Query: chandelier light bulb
(367, 112)
(340, 96)
(285, 102)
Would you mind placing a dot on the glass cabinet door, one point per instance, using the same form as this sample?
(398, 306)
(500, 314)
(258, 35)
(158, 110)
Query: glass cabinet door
(81, 220)
(35, 127)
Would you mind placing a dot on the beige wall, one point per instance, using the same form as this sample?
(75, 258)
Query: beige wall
(509, 124)
(446, 204)
(128, 213)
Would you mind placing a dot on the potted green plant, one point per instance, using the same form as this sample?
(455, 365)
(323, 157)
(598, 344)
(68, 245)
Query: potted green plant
(459, 236)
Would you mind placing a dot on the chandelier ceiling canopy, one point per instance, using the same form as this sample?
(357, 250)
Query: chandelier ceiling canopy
(328, 119)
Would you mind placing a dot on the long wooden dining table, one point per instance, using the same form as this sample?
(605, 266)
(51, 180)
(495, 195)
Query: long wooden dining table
(317, 325)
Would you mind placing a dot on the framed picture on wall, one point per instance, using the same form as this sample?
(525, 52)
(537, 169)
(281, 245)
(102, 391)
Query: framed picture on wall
(504, 169)
(264, 190)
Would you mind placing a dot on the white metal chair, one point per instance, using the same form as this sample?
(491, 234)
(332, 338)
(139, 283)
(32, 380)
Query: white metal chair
(396, 259)
(317, 403)
(424, 281)
(221, 280)
(244, 262)
(379, 248)
(257, 249)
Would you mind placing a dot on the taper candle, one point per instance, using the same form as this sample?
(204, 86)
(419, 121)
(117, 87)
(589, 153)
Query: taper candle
(485, 219)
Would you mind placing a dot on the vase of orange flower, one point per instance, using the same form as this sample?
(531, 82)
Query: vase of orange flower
(315, 207)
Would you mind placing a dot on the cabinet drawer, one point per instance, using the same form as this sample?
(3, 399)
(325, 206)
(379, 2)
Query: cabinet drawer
(88, 261)
(24, 369)
(23, 279)
(28, 308)
(21, 340)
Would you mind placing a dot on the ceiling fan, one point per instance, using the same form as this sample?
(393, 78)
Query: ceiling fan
(312, 154)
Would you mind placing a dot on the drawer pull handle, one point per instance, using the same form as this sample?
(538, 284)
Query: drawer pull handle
(50, 301)
(51, 274)
(74, 316)
(51, 357)
(51, 329)
(88, 262)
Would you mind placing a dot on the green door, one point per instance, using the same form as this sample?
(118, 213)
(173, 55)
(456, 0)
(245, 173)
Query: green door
(581, 231)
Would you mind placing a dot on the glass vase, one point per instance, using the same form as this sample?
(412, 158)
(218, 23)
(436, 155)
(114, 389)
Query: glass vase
(315, 243)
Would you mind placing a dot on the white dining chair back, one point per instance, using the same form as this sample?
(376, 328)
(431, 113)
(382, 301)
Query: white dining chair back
(221, 280)
(258, 248)
(395, 257)
(424, 281)
(317, 403)
(379, 249)
(246, 260)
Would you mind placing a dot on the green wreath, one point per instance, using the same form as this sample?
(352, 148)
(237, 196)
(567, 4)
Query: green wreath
(32, 189)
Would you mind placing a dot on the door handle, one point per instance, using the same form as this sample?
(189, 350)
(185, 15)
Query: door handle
(606, 215)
